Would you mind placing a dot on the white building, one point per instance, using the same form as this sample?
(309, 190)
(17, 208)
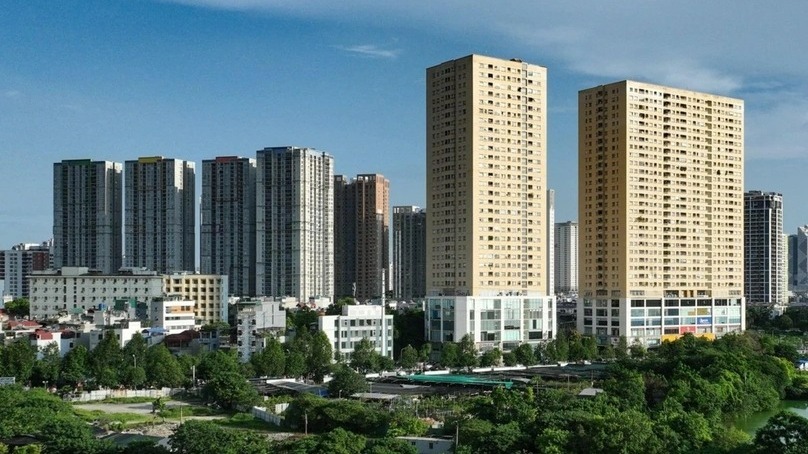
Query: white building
(210, 291)
(566, 257)
(77, 289)
(502, 322)
(256, 319)
(356, 323)
(295, 223)
(123, 330)
(17, 263)
(87, 214)
(160, 214)
(174, 314)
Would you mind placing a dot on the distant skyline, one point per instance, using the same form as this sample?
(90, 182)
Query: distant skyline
(195, 79)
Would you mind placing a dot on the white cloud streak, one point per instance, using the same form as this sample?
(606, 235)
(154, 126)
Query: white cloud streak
(370, 50)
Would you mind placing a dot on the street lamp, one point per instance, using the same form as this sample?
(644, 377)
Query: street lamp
(134, 358)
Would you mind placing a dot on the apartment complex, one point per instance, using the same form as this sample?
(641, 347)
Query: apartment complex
(17, 264)
(409, 252)
(361, 236)
(550, 250)
(74, 290)
(209, 291)
(358, 322)
(87, 214)
(294, 223)
(227, 231)
(160, 214)
(661, 213)
(763, 248)
(566, 257)
(798, 260)
(487, 229)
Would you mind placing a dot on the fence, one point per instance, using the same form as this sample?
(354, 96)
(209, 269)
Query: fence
(262, 414)
(102, 394)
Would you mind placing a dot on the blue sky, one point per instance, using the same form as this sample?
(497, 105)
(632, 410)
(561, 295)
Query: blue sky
(193, 79)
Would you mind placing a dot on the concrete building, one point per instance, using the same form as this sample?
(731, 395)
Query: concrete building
(74, 290)
(17, 264)
(87, 215)
(799, 258)
(209, 291)
(487, 227)
(160, 216)
(361, 236)
(255, 320)
(409, 253)
(566, 257)
(550, 238)
(227, 232)
(294, 223)
(174, 314)
(660, 187)
(358, 322)
(763, 248)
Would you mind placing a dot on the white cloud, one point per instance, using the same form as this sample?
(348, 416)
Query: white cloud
(12, 94)
(370, 50)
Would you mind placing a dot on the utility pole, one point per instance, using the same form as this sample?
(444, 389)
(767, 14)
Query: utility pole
(306, 419)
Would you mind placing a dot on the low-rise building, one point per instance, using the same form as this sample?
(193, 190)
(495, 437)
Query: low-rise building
(255, 320)
(357, 323)
(174, 314)
(210, 291)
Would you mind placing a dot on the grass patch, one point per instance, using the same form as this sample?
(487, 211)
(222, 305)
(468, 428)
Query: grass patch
(246, 421)
(123, 400)
(189, 410)
(125, 419)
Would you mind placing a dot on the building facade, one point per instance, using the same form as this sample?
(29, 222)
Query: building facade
(87, 215)
(294, 223)
(74, 290)
(209, 291)
(763, 248)
(799, 258)
(17, 264)
(227, 232)
(160, 219)
(358, 322)
(660, 187)
(362, 236)
(566, 257)
(174, 314)
(409, 253)
(487, 202)
(255, 320)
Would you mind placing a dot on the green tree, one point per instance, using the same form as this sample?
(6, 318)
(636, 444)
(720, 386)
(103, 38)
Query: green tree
(204, 437)
(637, 350)
(75, 367)
(229, 390)
(46, 369)
(524, 355)
(425, 353)
(340, 441)
(621, 352)
(17, 360)
(346, 382)
(608, 352)
(318, 361)
(491, 358)
(68, 435)
(785, 432)
(106, 361)
(561, 346)
(364, 358)
(467, 353)
(19, 307)
(509, 359)
(590, 347)
(162, 368)
(449, 355)
(134, 352)
(408, 328)
(270, 361)
(389, 446)
(409, 357)
(336, 308)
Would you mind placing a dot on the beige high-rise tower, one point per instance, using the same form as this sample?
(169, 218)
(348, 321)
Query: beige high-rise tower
(486, 192)
(661, 213)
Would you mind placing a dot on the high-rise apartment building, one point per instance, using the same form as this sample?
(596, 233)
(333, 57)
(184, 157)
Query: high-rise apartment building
(361, 232)
(550, 250)
(160, 217)
(763, 247)
(566, 257)
(486, 270)
(294, 223)
(17, 264)
(227, 232)
(660, 187)
(799, 258)
(409, 253)
(87, 214)
(344, 237)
